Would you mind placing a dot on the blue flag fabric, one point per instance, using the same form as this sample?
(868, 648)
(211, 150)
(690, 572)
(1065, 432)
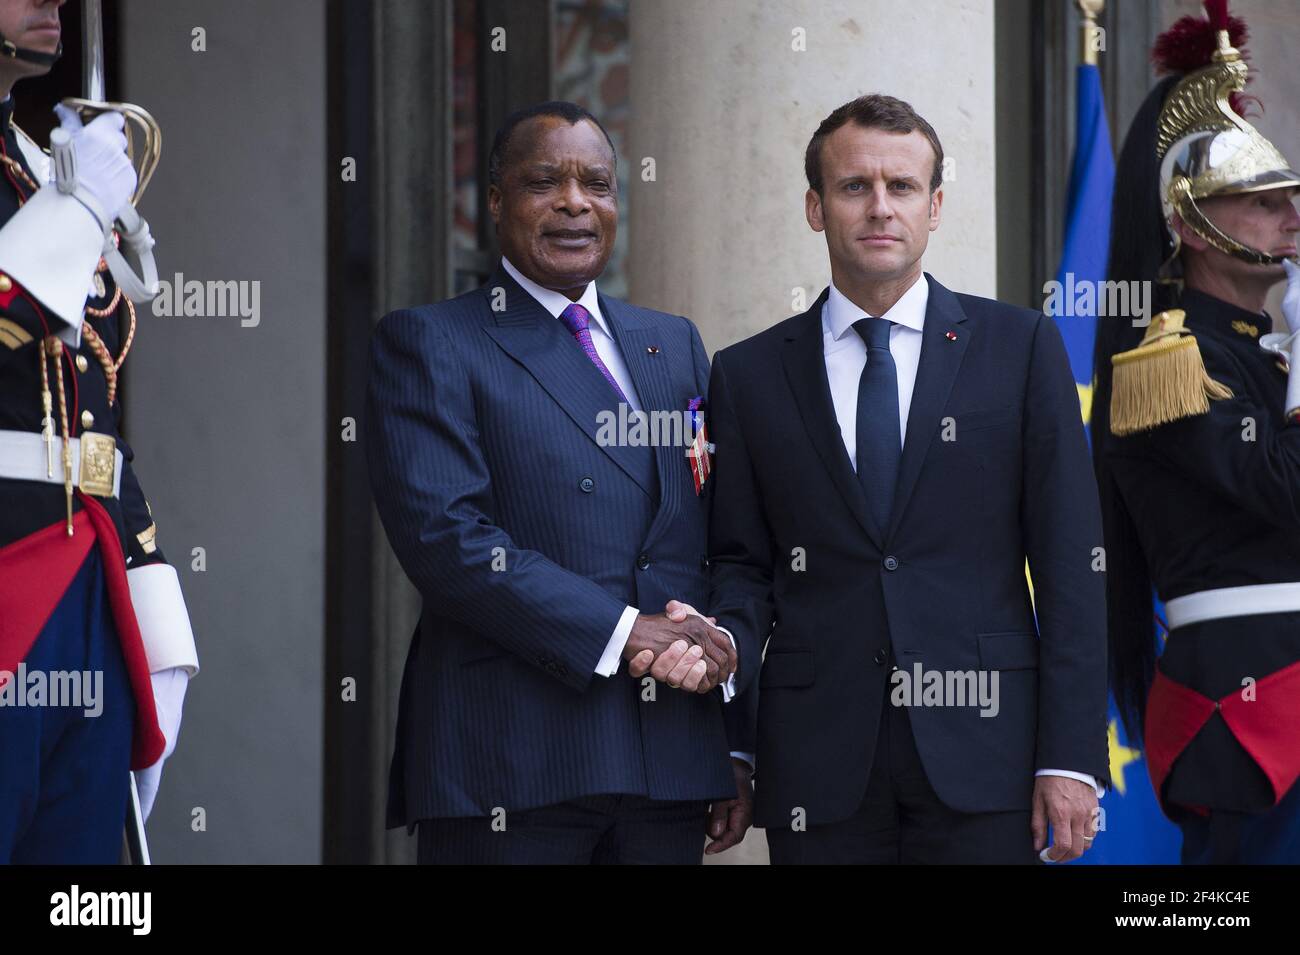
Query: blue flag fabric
(1135, 829)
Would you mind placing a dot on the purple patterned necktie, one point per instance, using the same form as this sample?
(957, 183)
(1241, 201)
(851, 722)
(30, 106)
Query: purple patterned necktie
(578, 321)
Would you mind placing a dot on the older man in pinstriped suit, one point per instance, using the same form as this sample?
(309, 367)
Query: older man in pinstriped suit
(535, 543)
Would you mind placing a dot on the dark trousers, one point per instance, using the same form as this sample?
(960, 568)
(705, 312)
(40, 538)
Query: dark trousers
(1239, 838)
(902, 820)
(63, 774)
(593, 830)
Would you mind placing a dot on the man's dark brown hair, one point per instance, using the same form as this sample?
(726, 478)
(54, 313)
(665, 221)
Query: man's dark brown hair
(873, 111)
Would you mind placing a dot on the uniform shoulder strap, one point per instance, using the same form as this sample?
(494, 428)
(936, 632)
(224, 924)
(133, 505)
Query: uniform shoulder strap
(37, 158)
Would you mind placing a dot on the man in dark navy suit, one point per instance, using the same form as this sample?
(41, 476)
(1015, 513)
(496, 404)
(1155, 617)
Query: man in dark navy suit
(536, 532)
(886, 463)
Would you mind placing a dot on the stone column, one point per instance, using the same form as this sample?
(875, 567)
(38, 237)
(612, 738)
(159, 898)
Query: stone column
(725, 96)
(224, 412)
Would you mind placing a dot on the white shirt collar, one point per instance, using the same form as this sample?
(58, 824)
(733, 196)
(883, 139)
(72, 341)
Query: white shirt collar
(909, 311)
(556, 302)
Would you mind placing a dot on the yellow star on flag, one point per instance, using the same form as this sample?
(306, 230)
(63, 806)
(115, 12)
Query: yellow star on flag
(1120, 756)
(1085, 400)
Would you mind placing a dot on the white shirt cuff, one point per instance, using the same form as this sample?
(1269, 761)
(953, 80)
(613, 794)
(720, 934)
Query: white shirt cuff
(729, 688)
(1070, 774)
(609, 660)
(747, 757)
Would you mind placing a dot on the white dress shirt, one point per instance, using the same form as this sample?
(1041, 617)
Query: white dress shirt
(846, 356)
(555, 303)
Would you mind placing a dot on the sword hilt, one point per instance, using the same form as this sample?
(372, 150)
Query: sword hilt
(64, 158)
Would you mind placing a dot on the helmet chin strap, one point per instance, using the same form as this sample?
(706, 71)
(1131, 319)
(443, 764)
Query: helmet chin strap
(1180, 198)
(9, 51)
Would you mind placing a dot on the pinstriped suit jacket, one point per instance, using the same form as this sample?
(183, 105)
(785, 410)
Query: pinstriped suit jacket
(526, 539)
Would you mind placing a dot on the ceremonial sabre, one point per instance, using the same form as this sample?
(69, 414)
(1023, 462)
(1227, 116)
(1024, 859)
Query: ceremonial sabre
(1287, 347)
(92, 50)
(135, 232)
(131, 227)
(137, 847)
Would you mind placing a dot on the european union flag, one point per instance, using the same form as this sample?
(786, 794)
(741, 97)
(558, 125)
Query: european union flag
(1135, 829)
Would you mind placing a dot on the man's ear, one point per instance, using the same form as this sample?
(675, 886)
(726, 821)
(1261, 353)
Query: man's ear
(494, 203)
(812, 209)
(1188, 237)
(936, 206)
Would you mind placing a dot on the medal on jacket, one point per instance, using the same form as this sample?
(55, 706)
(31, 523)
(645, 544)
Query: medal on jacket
(700, 453)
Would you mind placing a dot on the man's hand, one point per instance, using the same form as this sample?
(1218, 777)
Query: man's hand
(687, 653)
(1291, 300)
(730, 819)
(103, 168)
(1070, 805)
(169, 697)
(1291, 309)
(678, 611)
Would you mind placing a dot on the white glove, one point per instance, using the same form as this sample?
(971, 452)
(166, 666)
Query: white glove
(168, 696)
(1291, 300)
(103, 168)
(1291, 310)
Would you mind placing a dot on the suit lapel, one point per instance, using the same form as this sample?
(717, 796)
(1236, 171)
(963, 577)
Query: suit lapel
(536, 339)
(650, 371)
(940, 359)
(805, 369)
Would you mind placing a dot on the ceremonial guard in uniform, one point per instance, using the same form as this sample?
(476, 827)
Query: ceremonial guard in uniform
(1197, 451)
(85, 595)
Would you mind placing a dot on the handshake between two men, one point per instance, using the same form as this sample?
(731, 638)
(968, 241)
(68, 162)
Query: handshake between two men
(686, 650)
(682, 648)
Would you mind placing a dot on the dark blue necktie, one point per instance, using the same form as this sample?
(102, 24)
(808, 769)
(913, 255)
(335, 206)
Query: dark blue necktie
(879, 441)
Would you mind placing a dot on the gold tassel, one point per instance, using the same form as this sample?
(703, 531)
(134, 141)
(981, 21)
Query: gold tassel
(1162, 380)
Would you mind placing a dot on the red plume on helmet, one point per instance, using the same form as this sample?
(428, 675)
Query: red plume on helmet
(1190, 43)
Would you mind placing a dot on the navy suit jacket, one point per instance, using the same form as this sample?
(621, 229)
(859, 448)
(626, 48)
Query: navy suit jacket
(526, 539)
(943, 585)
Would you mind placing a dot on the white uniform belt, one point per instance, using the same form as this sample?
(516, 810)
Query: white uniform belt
(23, 457)
(1232, 602)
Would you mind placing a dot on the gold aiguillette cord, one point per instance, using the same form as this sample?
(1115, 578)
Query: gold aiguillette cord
(54, 350)
(47, 407)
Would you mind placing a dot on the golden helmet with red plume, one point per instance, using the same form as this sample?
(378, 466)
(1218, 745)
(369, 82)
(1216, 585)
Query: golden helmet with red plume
(1204, 144)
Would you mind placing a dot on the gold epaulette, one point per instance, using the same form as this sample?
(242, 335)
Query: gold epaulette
(1162, 380)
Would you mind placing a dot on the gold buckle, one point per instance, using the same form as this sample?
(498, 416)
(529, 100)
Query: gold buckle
(98, 462)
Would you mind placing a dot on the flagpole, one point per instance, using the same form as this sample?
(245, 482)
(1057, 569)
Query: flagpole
(1089, 10)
